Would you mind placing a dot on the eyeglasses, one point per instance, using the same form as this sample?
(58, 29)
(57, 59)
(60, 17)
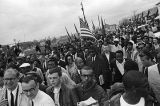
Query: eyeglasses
(29, 90)
(9, 79)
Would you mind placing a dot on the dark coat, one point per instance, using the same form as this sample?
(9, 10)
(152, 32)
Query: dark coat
(117, 75)
(67, 96)
(107, 69)
(97, 66)
(95, 91)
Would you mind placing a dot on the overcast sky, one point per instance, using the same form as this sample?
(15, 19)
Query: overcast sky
(26, 20)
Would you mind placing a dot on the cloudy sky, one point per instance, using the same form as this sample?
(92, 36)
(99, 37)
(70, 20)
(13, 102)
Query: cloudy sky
(26, 20)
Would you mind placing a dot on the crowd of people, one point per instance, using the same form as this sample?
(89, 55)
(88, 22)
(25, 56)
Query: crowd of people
(121, 69)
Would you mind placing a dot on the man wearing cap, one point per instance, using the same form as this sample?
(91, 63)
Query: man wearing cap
(116, 45)
(129, 52)
(25, 67)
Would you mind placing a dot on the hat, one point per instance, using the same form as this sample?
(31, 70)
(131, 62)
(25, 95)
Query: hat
(131, 41)
(25, 65)
(116, 39)
(21, 55)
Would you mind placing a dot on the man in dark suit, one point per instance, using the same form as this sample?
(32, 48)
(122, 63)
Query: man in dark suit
(107, 57)
(117, 67)
(95, 61)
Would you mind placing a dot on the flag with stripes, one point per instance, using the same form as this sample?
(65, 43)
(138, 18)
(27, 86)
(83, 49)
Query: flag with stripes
(84, 28)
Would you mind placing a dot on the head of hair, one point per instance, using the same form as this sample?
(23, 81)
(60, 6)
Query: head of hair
(86, 68)
(29, 78)
(56, 70)
(53, 59)
(35, 75)
(13, 69)
(133, 79)
(147, 53)
(119, 51)
(66, 60)
(130, 65)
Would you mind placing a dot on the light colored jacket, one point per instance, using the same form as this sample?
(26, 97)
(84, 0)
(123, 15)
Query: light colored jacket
(3, 93)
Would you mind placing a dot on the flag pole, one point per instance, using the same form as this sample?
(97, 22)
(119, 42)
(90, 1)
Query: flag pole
(76, 30)
(103, 27)
(99, 22)
(84, 13)
(93, 26)
(69, 37)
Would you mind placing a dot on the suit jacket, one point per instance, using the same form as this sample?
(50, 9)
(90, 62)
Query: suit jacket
(3, 94)
(97, 65)
(118, 76)
(67, 96)
(107, 74)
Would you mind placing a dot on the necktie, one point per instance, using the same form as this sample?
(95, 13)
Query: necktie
(12, 99)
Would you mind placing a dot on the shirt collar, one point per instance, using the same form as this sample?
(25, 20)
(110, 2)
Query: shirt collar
(56, 89)
(14, 91)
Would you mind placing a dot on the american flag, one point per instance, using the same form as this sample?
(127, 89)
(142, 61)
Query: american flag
(84, 28)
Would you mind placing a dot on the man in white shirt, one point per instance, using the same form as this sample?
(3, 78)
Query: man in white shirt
(35, 97)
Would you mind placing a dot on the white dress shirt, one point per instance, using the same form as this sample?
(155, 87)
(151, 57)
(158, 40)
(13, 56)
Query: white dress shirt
(107, 55)
(42, 99)
(56, 95)
(120, 66)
